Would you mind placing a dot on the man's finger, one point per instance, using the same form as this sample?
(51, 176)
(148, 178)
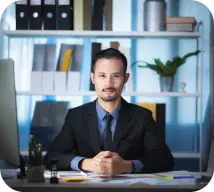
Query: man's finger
(106, 154)
(101, 167)
(104, 160)
(114, 154)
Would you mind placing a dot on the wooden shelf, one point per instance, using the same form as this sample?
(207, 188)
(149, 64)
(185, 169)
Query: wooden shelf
(97, 34)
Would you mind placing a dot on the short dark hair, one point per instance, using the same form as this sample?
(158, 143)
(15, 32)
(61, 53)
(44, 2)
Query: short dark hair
(110, 53)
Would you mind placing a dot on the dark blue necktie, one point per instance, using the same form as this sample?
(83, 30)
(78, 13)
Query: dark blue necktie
(107, 135)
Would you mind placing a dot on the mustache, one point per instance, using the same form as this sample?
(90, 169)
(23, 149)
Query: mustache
(109, 88)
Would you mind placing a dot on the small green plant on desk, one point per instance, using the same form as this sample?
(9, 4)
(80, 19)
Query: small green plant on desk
(35, 152)
(35, 169)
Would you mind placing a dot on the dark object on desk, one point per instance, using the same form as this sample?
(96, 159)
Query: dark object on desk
(54, 170)
(22, 173)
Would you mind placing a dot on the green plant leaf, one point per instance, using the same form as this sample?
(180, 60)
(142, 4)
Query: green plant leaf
(159, 64)
(155, 68)
(137, 62)
(170, 67)
(168, 63)
(177, 61)
(185, 57)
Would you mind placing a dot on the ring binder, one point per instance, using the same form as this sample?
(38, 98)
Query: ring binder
(35, 12)
(49, 14)
(22, 15)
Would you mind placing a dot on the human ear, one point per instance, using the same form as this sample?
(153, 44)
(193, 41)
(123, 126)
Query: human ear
(92, 77)
(126, 77)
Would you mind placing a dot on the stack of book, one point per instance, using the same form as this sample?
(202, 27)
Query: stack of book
(185, 24)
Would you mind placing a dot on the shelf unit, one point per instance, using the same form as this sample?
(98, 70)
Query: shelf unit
(127, 35)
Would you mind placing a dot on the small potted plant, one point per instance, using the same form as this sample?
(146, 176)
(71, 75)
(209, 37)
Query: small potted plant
(168, 70)
(35, 169)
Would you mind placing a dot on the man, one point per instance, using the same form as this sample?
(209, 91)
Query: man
(109, 135)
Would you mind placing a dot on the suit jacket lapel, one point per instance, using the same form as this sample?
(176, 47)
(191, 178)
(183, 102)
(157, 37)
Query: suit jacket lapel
(124, 123)
(93, 126)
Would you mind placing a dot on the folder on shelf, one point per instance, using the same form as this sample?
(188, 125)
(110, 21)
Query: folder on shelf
(73, 82)
(49, 68)
(127, 52)
(63, 65)
(37, 68)
(96, 47)
(35, 14)
(63, 48)
(49, 9)
(98, 14)
(22, 15)
(108, 8)
(82, 10)
(60, 78)
(65, 17)
(66, 60)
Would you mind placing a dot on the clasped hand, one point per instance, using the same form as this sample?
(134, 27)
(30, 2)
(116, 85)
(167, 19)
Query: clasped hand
(107, 162)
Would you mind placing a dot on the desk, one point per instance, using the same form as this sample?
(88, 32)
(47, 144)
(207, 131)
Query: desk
(24, 186)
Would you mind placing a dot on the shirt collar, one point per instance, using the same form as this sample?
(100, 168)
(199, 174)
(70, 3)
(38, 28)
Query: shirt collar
(101, 112)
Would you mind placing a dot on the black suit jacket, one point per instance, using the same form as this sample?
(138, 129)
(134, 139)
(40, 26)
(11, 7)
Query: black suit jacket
(136, 137)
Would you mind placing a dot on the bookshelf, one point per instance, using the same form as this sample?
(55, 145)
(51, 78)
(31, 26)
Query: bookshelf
(133, 35)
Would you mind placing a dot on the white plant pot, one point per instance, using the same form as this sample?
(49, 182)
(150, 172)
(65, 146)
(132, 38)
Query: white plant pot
(166, 84)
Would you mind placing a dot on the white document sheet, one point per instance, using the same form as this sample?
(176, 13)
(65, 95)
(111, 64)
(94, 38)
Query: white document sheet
(154, 181)
(122, 182)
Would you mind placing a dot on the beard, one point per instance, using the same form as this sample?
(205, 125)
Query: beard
(109, 98)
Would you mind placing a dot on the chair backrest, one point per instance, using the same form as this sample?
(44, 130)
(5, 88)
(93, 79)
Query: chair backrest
(159, 114)
(48, 118)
